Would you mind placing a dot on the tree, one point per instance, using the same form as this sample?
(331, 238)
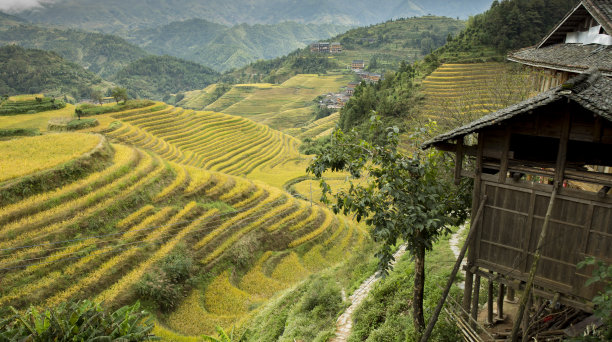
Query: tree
(408, 198)
(96, 96)
(119, 93)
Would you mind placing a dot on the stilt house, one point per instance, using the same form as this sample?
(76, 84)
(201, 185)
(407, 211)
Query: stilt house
(582, 40)
(517, 156)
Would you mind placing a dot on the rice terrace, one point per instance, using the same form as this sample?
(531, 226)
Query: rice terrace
(289, 171)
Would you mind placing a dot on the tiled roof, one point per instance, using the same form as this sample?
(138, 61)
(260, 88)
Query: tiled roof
(567, 57)
(591, 90)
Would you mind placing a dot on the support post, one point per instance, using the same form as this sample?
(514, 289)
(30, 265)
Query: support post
(451, 278)
(500, 302)
(475, 297)
(510, 295)
(490, 302)
(459, 160)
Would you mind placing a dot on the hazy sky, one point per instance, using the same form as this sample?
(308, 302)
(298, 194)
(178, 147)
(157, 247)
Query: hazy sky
(19, 5)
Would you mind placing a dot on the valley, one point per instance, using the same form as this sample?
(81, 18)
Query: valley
(205, 161)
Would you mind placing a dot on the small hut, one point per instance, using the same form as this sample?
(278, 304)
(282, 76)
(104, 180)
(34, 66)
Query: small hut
(538, 156)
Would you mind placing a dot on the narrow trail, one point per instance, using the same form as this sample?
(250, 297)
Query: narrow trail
(344, 324)
(455, 247)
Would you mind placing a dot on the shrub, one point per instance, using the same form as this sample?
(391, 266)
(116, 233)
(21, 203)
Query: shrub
(87, 109)
(77, 321)
(168, 282)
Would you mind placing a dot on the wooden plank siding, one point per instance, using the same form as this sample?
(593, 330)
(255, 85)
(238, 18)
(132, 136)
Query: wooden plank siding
(512, 220)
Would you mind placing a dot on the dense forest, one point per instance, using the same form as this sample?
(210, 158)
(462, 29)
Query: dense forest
(393, 98)
(223, 48)
(102, 54)
(29, 71)
(157, 76)
(507, 25)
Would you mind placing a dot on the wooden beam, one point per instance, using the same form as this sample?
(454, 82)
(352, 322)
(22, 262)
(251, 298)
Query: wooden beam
(500, 301)
(503, 170)
(490, 301)
(459, 160)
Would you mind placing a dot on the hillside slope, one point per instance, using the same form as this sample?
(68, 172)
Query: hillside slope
(223, 48)
(155, 77)
(99, 53)
(382, 47)
(29, 71)
(136, 214)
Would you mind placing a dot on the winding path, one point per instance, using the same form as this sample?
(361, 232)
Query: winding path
(344, 324)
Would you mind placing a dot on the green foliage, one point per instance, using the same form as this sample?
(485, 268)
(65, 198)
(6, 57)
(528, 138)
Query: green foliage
(223, 336)
(87, 109)
(19, 132)
(393, 98)
(77, 321)
(167, 283)
(224, 48)
(507, 25)
(306, 313)
(101, 54)
(407, 198)
(602, 275)
(24, 71)
(154, 77)
(39, 104)
(384, 315)
(119, 94)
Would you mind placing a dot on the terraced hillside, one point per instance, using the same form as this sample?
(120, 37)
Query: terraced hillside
(458, 93)
(97, 233)
(280, 106)
(209, 140)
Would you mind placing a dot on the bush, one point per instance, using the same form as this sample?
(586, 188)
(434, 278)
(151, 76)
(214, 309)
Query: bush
(87, 109)
(168, 282)
(19, 132)
(77, 321)
(39, 104)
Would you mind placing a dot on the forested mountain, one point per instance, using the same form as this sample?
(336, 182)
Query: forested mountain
(383, 47)
(29, 71)
(102, 54)
(507, 25)
(125, 15)
(154, 77)
(222, 48)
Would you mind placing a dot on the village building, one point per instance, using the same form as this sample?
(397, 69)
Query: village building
(528, 162)
(335, 47)
(325, 47)
(582, 40)
(357, 64)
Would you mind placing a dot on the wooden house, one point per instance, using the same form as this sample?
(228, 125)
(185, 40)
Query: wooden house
(357, 64)
(521, 159)
(335, 47)
(320, 47)
(580, 41)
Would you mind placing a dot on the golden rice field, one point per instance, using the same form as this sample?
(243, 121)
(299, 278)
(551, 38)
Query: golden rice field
(98, 235)
(317, 128)
(42, 152)
(209, 140)
(280, 106)
(458, 93)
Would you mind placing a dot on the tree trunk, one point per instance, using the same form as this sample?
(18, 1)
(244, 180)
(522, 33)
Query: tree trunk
(419, 289)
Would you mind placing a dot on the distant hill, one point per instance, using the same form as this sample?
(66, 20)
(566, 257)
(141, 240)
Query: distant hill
(102, 54)
(124, 15)
(381, 46)
(223, 48)
(29, 71)
(155, 77)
